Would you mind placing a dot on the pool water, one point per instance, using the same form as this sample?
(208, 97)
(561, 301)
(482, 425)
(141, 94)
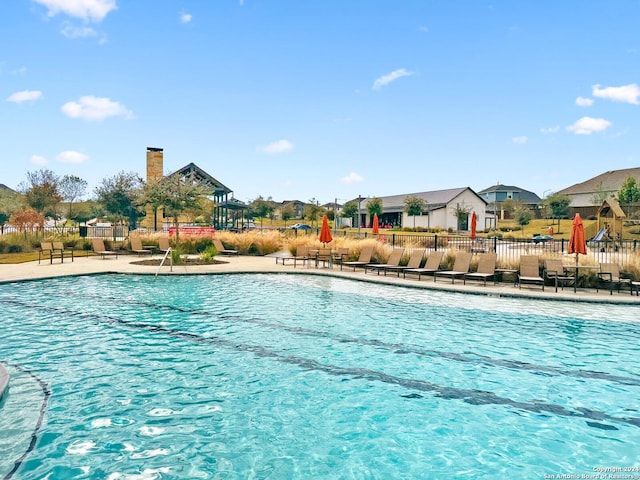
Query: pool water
(293, 376)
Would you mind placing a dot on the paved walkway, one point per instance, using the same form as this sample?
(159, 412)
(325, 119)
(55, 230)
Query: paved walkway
(267, 264)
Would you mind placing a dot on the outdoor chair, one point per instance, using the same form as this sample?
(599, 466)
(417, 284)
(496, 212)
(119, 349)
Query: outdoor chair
(609, 275)
(486, 268)
(431, 266)
(323, 255)
(163, 244)
(393, 261)
(302, 254)
(363, 259)
(47, 250)
(59, 246)
(136, 247)
(221, 250)
(461, 266)
(529, 272)
(555, 272)
(415, 259)
(340, 255)
(99, 248)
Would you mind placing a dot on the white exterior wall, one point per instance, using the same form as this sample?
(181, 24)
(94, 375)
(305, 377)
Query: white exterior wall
(445, 218)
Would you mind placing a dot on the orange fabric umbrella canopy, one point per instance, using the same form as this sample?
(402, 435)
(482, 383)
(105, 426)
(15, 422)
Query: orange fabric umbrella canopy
(376, 229)
(474, 222)
(577, 243)
(325, 231)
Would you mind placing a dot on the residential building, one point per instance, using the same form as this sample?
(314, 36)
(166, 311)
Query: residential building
(587, 197)
(441, 207)
(496, 195)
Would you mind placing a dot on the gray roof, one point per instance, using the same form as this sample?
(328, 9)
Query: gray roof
(526, 196)
(610, 181)
(204, 178)
(435, 200)
(4, 187)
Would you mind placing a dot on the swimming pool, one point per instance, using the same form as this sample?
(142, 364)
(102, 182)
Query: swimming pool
(295, 376)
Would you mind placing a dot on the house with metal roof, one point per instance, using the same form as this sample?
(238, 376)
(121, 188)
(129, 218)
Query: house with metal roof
(441, 210)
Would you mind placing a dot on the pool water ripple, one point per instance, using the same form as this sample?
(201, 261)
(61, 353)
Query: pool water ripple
(271, 377)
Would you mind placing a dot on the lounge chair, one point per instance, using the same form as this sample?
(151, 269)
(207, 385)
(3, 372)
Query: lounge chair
(302, 255)
(415, 259)
(221, 250)
(393, 261)
(609, 275)
(163, 244)
(430, 267)
(47, 250)
(461, 267)
(554, 271)
(486, 268)
(136, 247)
(99, 248)
(529, 271)
(363, 259)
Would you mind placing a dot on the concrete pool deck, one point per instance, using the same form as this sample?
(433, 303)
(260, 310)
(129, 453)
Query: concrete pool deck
(267, 264)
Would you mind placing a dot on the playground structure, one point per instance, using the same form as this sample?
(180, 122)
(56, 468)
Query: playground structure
(610, 222)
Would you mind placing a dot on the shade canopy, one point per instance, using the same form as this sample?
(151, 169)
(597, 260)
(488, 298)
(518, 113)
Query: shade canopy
(375, 229)
(577, 243)
(325, 231)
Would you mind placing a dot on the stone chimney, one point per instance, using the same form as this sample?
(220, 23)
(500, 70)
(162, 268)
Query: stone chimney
(154, 173)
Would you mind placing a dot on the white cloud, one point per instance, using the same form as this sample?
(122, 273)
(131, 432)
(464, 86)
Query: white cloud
(95, 108)
(72, 31)
(353, 177)
(38, 160)
(24, 96)
(520, 140)
(588, 125)
(88, 10)
(185, 17)
(626, 93)
(70, 156)
(274, 148)
(549, 130)
(584, 102)
(390, 77)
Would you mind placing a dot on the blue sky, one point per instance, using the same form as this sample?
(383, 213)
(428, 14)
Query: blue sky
(324, 99)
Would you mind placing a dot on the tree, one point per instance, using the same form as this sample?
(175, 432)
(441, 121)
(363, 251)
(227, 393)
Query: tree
(312, 210)
(349, 210)
(261, 208)
(287, 213)
(414, 206)
(629, 194)
(42, 192)
(522, 215)
(461, 212)
(177, 195)
(10, 202)
(374, 206)
(558, 203)
(26, 219)
(72, 188)
(119, 195)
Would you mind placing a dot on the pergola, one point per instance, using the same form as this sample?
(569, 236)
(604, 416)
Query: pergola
(219, 192)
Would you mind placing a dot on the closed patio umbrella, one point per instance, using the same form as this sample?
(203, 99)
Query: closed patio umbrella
(375, 228)
(474, 221)
(577, 243)
(325, 231)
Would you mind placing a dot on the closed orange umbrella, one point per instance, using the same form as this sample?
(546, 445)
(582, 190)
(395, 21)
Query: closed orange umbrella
(375, 230)
(474, 221)
(325, 231)
(577, 243)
